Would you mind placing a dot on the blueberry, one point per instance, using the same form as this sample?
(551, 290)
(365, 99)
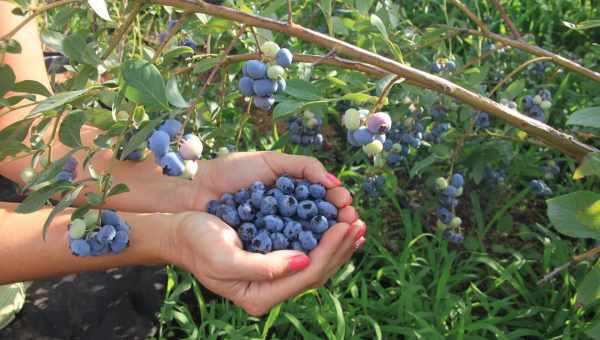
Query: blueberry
(450, 191)
(259, 221)
(284, 57)
(230, 215)
(212, 207)
(273, 223)
(331, 223)
(363, 136)
(109, 217)
(527, 102)
(449, 202)
(379, 122)
(457, 180)
(444, 215)
(453, 237)
(292, 229)
(258, 185)
(297, 246)
(268, 205)
(279, 241)
(285, 184)
(256, 198)
(97, 248)
(189, 43)
(319, 224)
(64, 176)
(287, 205)
(159, 143)
(350, 138)
(70, 164)
(261, 242)
(242, 196)
(228, 199)
(256, 69)
(247, 231)
(122, 226)
(80, 248)
(264, 102)
(281, 85)
(106, 234)
(172, 164)
(327, 209)
(275, 193)
(307, 210)
(301, 193)
(245, 212)
(172, 127)
(317, 191)
(394, 158)
(307, 240)
(120, 242)
(264, 87)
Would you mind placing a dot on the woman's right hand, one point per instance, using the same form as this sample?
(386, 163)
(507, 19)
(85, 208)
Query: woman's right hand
(211, 250)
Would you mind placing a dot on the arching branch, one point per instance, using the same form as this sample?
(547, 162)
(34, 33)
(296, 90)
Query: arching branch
(548, 135)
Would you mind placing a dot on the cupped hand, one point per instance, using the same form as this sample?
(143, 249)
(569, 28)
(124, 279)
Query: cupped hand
(239, 170)
(211, 250)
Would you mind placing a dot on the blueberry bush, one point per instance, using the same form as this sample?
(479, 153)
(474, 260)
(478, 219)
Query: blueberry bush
(466, 131)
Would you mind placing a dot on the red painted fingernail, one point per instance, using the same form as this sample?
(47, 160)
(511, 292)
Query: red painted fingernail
(359, 243)
(349, 231)
(360, 233)
(299, 262)
(348, 203)
(333, 179)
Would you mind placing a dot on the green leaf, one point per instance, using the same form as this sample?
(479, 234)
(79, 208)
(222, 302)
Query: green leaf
(590, 216)
(360, 98)
(588, 290)
(99, 6)
(286, 108)
(64, 203)
(514, 89)
(99, 117)
(35, 200)
(302, 89)
(147, 81)
(93, 198)
(363, 6)
(377, 22)
(12, 148)
(562, 212)
(50, 172)
(273, 315)
(76, 48)
(140, 137)
(118, 189)
(326, 8)
(205, 65)
(421, 165)
(589, 166)
(7, 79)
(175, 52)
(589, 117)
(70, 129)
(16, 131)
(173, 94)
(31, 86)
(53, 39)
(13, 46)
(594, 331)
(58, 101)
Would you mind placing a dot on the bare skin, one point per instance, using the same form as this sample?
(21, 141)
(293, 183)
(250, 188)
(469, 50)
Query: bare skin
(167, 215)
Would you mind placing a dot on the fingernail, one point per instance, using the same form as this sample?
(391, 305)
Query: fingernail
(359, 243)
(349, 202)
(353, 227)
(333, 179)
(361, 232)
(299, 262)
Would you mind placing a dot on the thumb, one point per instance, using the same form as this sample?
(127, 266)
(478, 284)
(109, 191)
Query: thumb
(263, 267)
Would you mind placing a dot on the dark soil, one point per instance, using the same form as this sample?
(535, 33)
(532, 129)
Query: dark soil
(114, 304)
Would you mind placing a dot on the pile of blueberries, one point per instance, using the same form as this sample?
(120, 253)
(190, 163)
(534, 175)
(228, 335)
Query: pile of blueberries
(373, 185)
(367, 130)
(69, 171)
(175, 163)
(442, 65)
(534, 106)
(293, 214)
(448, 200)
(263, 79)
(95, 235)
(305, 129)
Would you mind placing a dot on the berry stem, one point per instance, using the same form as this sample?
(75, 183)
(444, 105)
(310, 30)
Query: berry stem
(290, 21)
(170, 34)
(135, 9)
(384, 93)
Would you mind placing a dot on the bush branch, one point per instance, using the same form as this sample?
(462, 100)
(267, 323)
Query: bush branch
(506, 18)
(123, 29)
(515, 71)
(590, 254)
(170, 34)
(470, 14)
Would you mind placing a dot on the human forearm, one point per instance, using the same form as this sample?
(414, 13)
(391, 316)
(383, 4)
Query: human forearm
(24, 255)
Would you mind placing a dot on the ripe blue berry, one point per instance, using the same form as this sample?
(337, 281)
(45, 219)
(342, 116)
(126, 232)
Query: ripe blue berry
(70, 164)
(307, 210)
(287, 205)
(292, 229)
(301, 193)
(159, 143)
(457, 180)
(319, 224)
(172, 164)
(363, 136)
(268, 205)
(109, 217)
(264, 87)
(245, 212)
(64, 176)
(230, 215)
(317, 191)
(258, 185)
(228, 199)
(213, 205)
(264, 102)
(273, 223)
(261, 242)
(444, 215)
(327, 209)
(172, 127)
(279, 241)
(255, 69)
(241, 196)
(284, 57)
(80, 248)
(120, 242)
(307, 240)
(106, 234)
(247, 231)
(285, 184)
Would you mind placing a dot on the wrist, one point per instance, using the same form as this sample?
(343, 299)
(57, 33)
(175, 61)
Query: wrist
(150, 238)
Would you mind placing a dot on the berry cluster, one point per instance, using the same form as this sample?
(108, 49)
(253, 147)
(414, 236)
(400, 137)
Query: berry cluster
(442, 65)
(494, 177)
(367, 130)
(372, 186)
(181, 163)
(263, 79)
(540, 188)
(483, 120)
(95, 235)
(69, 171)
(293, 214)
(305, 129)
(550, 170)
(535, 106)
(448, 194)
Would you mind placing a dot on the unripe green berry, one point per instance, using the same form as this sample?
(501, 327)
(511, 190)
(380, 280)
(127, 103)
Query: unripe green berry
(373, 148)
(28, 174)
(459, 191)
(351, 119)
(311, 122)
(275, 72)
(91, 218)
(456, 222)
(545, 105)
(190, 170)
(270, 49)
(77, 229)
(222, 151)
(537, 99)
(441, 184)
(308, 114)
(397, 147)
